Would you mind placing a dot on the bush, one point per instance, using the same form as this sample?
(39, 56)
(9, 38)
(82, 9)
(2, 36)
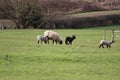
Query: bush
(83, 22)
(31, 16)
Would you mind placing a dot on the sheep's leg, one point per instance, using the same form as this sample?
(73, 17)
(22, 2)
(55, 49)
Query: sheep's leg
(56, 42)
(70, 43)
(48, 41)
(45, 42)
(41, 41)
(99, 46)
(38, 41)
(102, 46)
(53, 42)
(107, 46)
(66, 42)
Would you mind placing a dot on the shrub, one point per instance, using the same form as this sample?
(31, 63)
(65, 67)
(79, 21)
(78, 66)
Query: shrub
(31, 16)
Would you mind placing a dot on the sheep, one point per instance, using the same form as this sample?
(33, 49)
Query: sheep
(42, 38)
(69, 40)
(53, 36)
(105, 42)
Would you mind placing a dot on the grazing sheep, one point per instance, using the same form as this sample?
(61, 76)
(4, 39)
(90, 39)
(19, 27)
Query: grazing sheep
(42, 38)
(105, 42)
(53, 36)
(69, 40)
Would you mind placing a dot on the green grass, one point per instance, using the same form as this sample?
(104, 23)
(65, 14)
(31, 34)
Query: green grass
(94, 14)
(21, 58)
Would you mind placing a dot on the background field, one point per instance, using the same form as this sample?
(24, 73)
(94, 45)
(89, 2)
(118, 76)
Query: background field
(21, 58)
(59, 14)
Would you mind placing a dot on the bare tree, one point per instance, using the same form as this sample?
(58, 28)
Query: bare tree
(23, 13)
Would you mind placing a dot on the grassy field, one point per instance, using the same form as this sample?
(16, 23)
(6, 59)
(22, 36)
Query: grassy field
(91, 14)
(96, 13)
(21, 58)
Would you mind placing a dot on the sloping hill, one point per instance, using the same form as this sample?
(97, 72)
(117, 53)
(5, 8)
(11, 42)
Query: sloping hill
(77, 6)
(89, 19)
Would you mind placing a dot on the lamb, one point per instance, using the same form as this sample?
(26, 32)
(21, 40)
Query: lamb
(53, 36)
(105, 42)
(69, 40)
(42, 38)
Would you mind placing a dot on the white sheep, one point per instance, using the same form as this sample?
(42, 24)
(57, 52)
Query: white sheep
(105, 42)
(53, 36)
(42, 38)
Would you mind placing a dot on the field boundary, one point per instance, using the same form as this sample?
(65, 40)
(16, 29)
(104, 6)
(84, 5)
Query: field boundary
(117, 31)
(90, 19)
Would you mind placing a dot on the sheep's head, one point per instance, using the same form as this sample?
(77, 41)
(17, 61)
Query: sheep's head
(113, 41)
(60, 42)
(74, 37)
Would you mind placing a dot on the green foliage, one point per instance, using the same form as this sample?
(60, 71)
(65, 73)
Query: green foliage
(21, 58)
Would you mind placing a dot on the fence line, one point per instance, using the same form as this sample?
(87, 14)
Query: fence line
(116, 31)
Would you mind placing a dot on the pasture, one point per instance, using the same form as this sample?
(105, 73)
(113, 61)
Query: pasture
(21, 58)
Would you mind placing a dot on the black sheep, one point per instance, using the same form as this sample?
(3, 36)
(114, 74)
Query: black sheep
(69, 39)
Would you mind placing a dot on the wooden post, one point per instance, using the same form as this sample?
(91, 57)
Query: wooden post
(104, 37)
(113, 34)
